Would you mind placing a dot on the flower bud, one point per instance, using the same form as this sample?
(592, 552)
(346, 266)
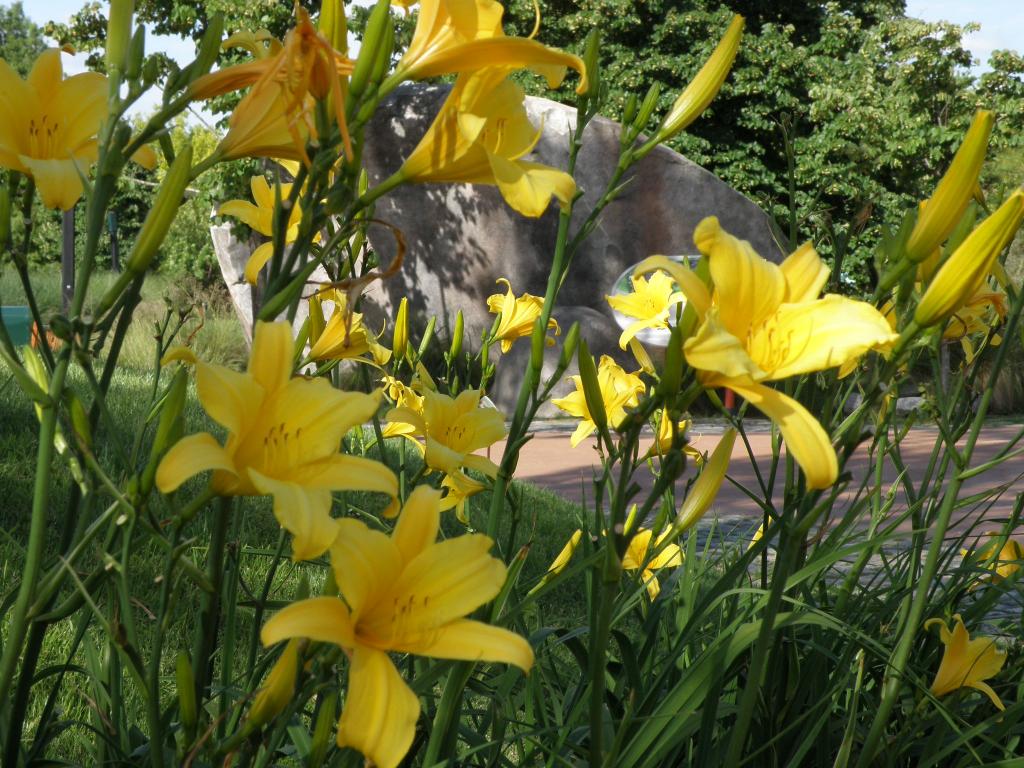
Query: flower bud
(702, 90)
(629, 109)
(537, 346)
(373, 39)
(161, 215)
(321, 741)
(400, 339)
(954, 191)
(333, 25)
(119, 33)
(428, 336)
(279, 687)
(672, 375)
(591, 61)
(572, 340)
(592, 388)
(457, 334)
(704, 490)
(137, 55)
(209, 47)
(965, 270)
(647, 106)
(80, 421)
(186, 693)
(168, 428)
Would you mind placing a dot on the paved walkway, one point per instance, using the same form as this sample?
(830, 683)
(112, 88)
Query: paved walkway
(550, 462)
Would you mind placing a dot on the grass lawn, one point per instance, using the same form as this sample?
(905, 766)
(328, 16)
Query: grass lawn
(539, 519)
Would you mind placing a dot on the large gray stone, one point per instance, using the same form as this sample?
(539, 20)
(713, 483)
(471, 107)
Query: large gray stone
(460, 238)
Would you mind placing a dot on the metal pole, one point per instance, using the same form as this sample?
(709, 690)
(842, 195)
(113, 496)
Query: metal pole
(67, 259)
(115, 254)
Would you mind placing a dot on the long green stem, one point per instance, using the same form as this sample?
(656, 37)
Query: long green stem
(37, 533)
(901, 655)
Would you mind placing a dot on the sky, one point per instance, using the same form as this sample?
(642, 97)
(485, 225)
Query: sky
(1002, 26)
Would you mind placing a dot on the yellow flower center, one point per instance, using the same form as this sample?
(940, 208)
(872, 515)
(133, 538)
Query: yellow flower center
(42, 137)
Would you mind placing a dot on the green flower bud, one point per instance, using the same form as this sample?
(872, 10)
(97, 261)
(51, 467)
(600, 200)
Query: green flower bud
(428, 336)
(333, 25)
(161, 215)
(572, 339)
(374, 37)
(672, 375)
(592, 387)
(209, 47)
(457, 334)
(647, 107)
(591, 61)
(80, 421)
(119, 32)
(137, 55)
(537, 346)
(321, 741)
(168, 428)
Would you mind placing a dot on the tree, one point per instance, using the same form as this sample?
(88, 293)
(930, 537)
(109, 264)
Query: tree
(21, 41)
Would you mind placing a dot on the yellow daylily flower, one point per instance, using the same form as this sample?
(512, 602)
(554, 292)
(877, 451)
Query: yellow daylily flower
(259, 216)
(266, 123)
(636, 558)
(50, 124)
(702, 90)
(650, 303)
(966, 663)
(406, 398)
(619, 391)
(459, 487)
(344, 336)
(284, 436)
(764, 322)
(306, 65)
(404, 593)
(964, 272)
(453, 429)
(518, 316)
(941, 213)
(663, 438)
(458, 36)
(478, 137)
(1003, 562)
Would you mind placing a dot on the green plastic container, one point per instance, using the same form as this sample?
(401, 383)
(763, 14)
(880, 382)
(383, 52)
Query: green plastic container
(18, 321)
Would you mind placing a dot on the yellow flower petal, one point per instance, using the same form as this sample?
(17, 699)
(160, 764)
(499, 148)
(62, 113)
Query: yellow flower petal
(227, 396)
(805, 274)
(714, 348)
(805, 440)
(304, 512)
(323, 619)
(256, 262)
(469, 640)
(449, 580)
(692, 287)
(363, 560)
(749, 286)
(57, 180)
(348, 473)
(188, 457)
(379, 718)
(273, 353)
(418, 522)
(817, 335)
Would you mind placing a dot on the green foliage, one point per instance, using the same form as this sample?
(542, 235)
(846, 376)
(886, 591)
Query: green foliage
(21, 40)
